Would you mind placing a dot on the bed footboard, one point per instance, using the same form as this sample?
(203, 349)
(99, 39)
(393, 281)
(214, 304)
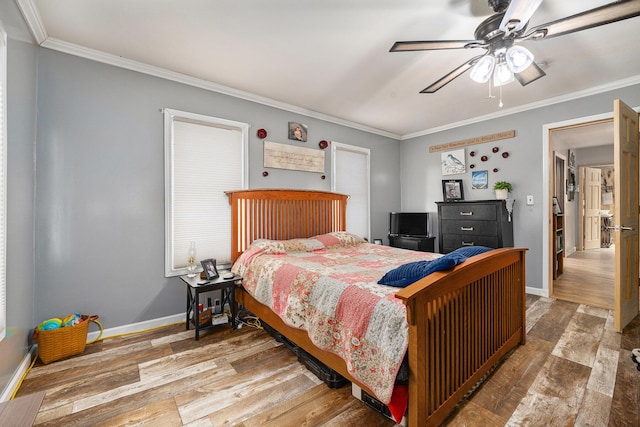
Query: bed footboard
(461, 323)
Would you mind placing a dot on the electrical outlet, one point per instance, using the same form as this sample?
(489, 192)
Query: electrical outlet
(529, 200)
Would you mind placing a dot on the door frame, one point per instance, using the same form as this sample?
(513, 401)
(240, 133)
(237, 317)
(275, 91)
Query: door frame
(548, 162)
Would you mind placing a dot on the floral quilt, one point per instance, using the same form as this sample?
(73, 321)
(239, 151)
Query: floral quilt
(327, 285)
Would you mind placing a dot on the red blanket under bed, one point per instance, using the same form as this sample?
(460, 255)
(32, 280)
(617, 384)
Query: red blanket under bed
(327, 286)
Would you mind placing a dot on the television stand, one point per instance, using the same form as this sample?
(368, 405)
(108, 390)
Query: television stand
(415, 243)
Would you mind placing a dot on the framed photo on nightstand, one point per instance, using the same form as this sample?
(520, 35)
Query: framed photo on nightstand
(209, 267)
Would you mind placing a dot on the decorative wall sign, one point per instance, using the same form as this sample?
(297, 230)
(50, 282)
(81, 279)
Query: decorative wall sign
(473, 141)
(479, 180)
(283, 156)
(298, 131)
(453, 162)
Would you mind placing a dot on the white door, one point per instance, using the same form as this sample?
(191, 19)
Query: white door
(592, 196)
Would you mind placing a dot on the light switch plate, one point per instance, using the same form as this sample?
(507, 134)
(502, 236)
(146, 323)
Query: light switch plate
(529, 200)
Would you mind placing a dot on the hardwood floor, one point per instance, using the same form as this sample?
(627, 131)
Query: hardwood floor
(574, 370)
(588, 278)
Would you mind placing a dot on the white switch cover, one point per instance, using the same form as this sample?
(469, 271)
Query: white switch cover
(529, 200)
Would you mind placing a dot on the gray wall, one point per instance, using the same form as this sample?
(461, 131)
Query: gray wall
(21, 100)
(421, 172)
(100, 190)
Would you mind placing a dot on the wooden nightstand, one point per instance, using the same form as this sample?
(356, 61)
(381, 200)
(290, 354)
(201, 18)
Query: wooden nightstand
(197, 286)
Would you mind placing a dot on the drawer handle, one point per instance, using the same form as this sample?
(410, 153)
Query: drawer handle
(467, 243)
(466, 228)
(466, 213)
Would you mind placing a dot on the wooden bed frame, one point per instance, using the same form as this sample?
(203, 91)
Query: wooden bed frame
(461, 322)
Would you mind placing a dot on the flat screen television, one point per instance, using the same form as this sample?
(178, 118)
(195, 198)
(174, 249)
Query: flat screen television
(409, 224)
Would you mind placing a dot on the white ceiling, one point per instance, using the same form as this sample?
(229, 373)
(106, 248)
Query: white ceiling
(331, 58)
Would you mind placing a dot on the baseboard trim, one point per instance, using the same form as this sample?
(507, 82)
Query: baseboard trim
(20, 372)
(537, 291)
(136, 327)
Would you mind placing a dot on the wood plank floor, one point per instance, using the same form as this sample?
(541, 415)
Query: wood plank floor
(588, 278)
(574, 370)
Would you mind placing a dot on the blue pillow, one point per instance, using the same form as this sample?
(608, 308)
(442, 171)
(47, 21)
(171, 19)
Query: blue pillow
(406, 274)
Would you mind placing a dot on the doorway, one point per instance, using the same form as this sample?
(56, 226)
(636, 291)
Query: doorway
(583, 267)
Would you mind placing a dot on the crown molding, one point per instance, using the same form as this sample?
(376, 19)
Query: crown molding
(32, 18)
(539, 104)
(118, 61)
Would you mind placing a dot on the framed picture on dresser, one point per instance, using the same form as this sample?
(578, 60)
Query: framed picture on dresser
(452, 190)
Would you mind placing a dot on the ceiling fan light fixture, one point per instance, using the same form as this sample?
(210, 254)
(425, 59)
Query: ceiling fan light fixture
(482, 70)
(502, 75)
(518, 58)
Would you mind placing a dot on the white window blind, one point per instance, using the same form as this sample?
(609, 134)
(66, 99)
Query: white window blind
(3, 184)
(204, 157)
(351, 176)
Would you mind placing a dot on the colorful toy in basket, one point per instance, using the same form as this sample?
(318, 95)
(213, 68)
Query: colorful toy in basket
(50, 324)
(72, 319)
(55, 323)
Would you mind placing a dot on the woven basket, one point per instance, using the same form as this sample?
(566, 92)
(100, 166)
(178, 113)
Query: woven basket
(56, 344)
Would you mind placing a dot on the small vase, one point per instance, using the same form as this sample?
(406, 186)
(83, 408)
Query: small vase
(502, 194)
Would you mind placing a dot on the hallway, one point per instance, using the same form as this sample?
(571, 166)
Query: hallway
(588, 278)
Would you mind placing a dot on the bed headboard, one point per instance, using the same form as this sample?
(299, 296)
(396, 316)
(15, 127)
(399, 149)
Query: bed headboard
(282, 214)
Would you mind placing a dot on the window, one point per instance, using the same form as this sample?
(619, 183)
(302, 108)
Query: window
(350, 175)
(3, 184)
(204, 157)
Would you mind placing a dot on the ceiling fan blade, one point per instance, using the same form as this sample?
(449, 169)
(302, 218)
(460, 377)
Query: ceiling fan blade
(532, 73)
(518, 14)
(451, 76)
(435, 45)
(602, 15)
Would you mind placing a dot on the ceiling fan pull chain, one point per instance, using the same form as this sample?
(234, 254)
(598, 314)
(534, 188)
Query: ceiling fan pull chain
(491, 95)
(500, 104)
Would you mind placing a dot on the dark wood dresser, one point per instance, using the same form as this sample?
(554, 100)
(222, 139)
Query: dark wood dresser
(473, 223)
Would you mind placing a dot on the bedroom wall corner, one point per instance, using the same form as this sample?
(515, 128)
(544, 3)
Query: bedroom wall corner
(21, 131)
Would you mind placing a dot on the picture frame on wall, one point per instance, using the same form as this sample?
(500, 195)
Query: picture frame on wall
(298, 131)
(453, 162)
(479, 180)
(452, 190)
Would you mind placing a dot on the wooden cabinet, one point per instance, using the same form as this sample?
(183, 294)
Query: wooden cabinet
(558, 245)
(474, 223)
(424, 244)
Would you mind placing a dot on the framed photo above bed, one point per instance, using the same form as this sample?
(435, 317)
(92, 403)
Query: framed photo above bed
(452, 190)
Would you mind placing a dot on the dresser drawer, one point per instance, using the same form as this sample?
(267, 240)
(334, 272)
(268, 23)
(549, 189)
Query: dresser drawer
(470, 228)
(468, 211)
(451, 242)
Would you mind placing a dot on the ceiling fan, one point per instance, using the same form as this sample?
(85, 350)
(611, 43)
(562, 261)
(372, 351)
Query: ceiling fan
(501, 34)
